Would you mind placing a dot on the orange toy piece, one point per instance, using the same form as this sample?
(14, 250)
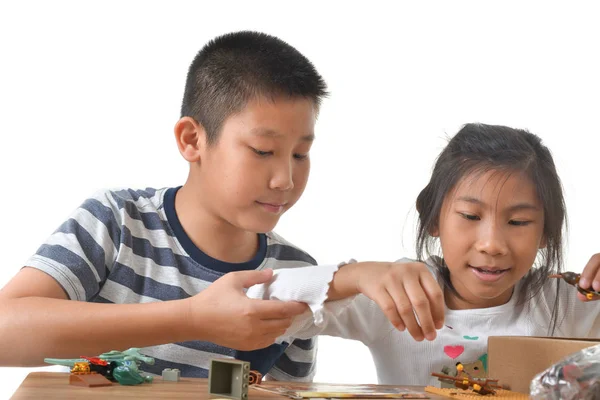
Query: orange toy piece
(81, 368)
(254, 378)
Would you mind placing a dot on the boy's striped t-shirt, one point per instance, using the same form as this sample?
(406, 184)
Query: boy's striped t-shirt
(128, 246)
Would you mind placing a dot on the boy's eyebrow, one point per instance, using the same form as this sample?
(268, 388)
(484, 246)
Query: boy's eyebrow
(514, 207)
(274, 134)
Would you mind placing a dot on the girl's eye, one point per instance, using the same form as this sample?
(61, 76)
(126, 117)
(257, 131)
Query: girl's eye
(261, 153)
(519, 223)
(470, 217)
(300, 156)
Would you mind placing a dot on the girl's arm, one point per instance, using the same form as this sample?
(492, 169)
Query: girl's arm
(403, 292)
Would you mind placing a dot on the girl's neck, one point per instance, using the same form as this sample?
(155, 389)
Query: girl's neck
(467, 301)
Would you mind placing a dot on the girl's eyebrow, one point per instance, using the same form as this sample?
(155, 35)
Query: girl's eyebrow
(514, 207)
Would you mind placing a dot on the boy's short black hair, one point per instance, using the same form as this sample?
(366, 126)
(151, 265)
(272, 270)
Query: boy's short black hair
(235, 68)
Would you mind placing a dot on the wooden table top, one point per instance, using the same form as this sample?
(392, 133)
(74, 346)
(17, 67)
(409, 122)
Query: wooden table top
(55, 385)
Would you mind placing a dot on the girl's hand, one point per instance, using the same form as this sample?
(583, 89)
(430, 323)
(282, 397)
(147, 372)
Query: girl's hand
(590, 278)
(408, 294)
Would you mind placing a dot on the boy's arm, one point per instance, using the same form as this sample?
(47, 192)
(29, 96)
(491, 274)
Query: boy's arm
(37, 320)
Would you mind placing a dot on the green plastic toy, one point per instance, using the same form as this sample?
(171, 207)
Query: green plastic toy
(123, 366)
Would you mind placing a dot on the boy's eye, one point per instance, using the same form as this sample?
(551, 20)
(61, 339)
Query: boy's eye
(261, 153)
(300, 156)
(519, 223)
(470, 217)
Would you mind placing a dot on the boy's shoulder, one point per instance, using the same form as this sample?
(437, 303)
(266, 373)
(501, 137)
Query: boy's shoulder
(282, 250)
(121, 198)
(140, 197)
(125, 206)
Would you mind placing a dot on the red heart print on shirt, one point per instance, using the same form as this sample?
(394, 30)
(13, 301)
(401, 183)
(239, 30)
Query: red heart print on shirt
(454, 351)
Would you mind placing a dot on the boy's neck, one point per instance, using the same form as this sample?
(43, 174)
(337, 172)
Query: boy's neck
(216, 238)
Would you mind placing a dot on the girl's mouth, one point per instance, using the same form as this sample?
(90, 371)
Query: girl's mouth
(489, 274)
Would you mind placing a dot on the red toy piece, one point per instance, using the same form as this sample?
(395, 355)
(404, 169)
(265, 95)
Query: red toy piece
(95, 360)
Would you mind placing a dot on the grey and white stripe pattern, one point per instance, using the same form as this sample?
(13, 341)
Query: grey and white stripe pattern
(122, 247)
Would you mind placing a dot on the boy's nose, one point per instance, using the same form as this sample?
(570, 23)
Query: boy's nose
(491, 240)
(283, 178)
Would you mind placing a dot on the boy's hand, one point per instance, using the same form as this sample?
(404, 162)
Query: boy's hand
(229, 318)
(402, 290)
(590, 278)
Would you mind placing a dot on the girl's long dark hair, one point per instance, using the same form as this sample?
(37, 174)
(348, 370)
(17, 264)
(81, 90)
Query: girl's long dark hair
(480, 148)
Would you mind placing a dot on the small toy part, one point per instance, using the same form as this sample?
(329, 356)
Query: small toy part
(81, 368)
(572, 278)
(480, 386)
(89, 380)
(172, 375)
(229, 378)
(255, 378)
(95, 360)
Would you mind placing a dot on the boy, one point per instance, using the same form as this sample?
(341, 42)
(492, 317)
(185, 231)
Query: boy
(149, 268)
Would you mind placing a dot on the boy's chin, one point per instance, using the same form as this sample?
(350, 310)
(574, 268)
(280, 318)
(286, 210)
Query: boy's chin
(260, 226)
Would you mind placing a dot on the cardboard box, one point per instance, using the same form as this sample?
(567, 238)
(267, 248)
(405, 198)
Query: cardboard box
(515, 360)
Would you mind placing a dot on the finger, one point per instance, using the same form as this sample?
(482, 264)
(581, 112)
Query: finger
(245, 279)
(388, 306)
(436, 298)
(277, 309)
(422, 307)
(590, 276)
(582, 297)
(406, 311)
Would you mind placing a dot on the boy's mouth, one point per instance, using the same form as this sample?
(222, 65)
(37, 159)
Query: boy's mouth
(275, 208)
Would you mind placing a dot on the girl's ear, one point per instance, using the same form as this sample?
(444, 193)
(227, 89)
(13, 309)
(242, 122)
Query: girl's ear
(543, 242)
(434, 231)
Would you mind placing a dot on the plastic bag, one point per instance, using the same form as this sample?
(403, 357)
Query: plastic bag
(575, 377)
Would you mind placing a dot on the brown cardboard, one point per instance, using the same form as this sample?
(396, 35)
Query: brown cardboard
(515, 360)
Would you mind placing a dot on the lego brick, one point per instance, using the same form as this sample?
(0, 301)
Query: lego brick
(229, 378)
(172, 375)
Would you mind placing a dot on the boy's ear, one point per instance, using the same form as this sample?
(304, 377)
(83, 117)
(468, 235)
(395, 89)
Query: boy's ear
(190, 137)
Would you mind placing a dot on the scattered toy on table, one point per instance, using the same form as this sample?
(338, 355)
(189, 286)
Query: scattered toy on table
(572, 278)
(172, 375)
(119, 366)
(480, 386)
(468, 394)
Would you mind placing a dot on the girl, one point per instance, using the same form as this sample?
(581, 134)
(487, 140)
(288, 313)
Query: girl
(493, 212)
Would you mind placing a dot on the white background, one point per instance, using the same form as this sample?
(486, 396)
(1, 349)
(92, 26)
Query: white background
(90, 91)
